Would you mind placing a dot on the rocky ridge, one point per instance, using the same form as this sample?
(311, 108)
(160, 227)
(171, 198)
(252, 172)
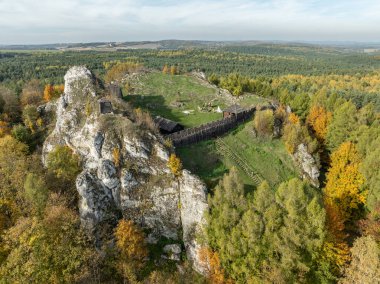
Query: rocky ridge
(125, 170)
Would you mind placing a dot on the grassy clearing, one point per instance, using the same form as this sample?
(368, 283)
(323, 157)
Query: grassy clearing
(169, 96)
(267, 157)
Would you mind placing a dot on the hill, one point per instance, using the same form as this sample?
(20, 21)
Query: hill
(192, 101)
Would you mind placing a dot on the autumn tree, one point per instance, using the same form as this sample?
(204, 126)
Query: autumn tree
(31, 117)
(370, 226)
(210, 260)
(130, 243)
(116, 155)
(335, 253)
(365, 265)
(165, 70)
(264, 123)
(10, 105)
(293, 118)
(175, 165)
(173, 70)
(344, 181)
(4, 128)
(32, 94)
(13, 168)
(48, 92)
(49, 250)
(318, 119)
(295, 134)
(52, 92)
(119, 70)
(63, 163)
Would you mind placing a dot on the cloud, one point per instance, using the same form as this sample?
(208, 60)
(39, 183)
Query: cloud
(30, 21)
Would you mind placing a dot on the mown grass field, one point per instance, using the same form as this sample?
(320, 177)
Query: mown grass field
(169, 96)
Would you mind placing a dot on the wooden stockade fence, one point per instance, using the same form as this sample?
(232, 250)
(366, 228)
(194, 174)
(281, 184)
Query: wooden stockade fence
(209, 130)
(225, 150)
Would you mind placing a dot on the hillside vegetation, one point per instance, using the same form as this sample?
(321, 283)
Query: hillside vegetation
(293, 192)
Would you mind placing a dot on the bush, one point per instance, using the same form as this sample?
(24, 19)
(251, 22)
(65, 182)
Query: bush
(264, 122)
(63, 163)
(22, 134)
(175, 165)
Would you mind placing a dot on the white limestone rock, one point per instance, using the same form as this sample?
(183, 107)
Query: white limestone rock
(307, 163)
(193, 194)
(141, 187)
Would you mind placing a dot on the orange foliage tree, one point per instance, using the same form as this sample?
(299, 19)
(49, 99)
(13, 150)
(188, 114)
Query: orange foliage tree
(293, 118)
(318, 119)
(51, 92)
(211, 263)
(335, 249)
(4, 128)
(130, 243)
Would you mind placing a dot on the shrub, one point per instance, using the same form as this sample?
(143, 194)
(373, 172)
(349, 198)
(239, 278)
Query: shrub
(63, 163)
(264, 122)
(175, 165)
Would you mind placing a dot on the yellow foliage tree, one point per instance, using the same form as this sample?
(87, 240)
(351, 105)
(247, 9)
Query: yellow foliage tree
(175, 165)
(165, 70)
(116, 156)
(120, 69)
(130, 243)
(318, 119)
(344, 180)
(173, 70)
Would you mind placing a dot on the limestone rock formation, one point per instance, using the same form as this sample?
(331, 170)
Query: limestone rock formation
(307, 164)
(125, 169)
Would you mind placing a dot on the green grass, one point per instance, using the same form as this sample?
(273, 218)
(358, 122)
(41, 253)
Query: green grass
(267, 157)
(169, 96)
(159, 93)
(202, 159)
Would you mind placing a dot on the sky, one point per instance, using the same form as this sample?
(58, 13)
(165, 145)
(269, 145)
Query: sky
(63, 21)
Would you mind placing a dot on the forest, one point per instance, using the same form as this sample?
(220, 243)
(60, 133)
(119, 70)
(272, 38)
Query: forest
(294, 230)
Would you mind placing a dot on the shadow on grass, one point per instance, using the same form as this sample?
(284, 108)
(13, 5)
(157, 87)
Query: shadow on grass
(203, 160)
(155, 105)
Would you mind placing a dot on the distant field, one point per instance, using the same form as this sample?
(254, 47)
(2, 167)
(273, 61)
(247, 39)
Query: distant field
(270, 60)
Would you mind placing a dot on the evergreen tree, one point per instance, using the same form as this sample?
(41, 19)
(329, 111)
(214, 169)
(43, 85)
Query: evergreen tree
(343, 123)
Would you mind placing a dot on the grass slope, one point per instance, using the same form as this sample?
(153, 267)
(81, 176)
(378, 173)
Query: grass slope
(169, 96)
(268, 158)
(162, 94)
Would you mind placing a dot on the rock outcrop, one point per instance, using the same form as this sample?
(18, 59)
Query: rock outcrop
(125, 169)
(307, 164)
